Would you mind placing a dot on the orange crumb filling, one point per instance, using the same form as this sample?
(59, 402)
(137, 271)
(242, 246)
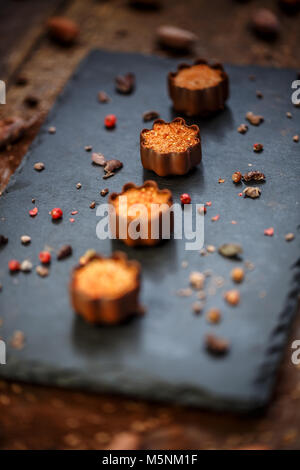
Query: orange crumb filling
(107, 278)
(198, 77)
(170, 137)
(146, 196)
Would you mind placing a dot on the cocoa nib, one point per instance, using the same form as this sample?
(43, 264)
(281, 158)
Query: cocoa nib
(252, 191)
(175, 38)
(98, 159)
(103, 97)
(150, 116)
(146, 4)
(254, 119)
(12, 129)
(64, 252)
(216, 345)
(3, 240)
(112, 165)
(125, 83)
(242, 129)
(254, 175)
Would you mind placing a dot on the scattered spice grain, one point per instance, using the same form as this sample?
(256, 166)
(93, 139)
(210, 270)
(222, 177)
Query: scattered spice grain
(42, 271)
(39, 166)
(104, 192)
(33, 212)
(254, 175)
(26, 266)
(230, 250)
(150, 116)
(98, 159)
(3, 240)
(258, 147)
(103, 97)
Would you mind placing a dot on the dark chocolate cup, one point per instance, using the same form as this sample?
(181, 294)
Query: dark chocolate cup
(202, 102)
(105, 310)
(172, 163)
(156, 221)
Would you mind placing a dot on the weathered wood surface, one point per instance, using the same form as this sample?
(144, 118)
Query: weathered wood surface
(36, 417)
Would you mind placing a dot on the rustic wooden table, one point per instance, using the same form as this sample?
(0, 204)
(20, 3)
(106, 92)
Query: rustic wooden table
(42, 418)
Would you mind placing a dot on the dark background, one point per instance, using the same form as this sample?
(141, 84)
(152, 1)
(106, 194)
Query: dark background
(36, 417)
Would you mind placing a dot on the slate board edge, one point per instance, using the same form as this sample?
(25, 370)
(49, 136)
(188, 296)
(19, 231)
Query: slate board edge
(71, 379)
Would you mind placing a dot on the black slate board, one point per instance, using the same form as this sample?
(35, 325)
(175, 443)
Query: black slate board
(160, 356)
